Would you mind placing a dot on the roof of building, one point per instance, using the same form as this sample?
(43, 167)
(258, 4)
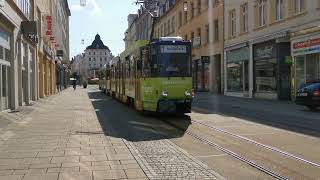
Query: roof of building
(98, 44)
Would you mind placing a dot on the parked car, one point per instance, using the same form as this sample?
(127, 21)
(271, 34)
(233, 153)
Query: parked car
(309, 95)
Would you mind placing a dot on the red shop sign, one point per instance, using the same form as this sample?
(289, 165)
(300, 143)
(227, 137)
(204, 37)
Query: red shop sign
(307, 43)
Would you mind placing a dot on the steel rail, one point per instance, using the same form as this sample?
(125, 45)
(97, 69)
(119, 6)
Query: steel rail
(284, 153)
(239, 157)
(231, 153)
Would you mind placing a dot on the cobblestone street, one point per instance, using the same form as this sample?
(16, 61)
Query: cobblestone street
(66, 137)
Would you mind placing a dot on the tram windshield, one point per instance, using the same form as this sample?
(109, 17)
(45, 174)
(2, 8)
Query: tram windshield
(174, 61)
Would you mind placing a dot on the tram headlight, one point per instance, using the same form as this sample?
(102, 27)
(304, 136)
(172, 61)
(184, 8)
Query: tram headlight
(164, 94)
(188, 93)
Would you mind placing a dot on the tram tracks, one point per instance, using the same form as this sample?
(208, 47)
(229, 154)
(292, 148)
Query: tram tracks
(269, 170)
(284, 153)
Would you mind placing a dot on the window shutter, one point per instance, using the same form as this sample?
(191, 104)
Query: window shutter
(273, 10)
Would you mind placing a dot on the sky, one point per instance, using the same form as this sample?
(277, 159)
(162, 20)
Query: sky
(106, 17)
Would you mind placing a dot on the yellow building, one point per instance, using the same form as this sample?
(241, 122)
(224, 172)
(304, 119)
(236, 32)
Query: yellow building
(51, 72)
(200, 21)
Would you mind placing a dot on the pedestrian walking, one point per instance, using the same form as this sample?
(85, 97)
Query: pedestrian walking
(74, 83)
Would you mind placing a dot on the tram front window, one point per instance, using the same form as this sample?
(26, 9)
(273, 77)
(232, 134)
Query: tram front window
(174, 65)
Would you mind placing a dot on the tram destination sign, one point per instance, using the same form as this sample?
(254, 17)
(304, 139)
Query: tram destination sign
(173, 49)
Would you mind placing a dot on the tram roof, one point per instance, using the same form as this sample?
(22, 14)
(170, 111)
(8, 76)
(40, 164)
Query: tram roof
(170, 40)
(133, 47)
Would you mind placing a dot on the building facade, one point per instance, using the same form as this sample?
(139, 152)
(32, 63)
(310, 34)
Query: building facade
(78, 65)
(202, 23)
(21, 52)
(261, 36)
(130, 35)
(96, 56)
(17, 54)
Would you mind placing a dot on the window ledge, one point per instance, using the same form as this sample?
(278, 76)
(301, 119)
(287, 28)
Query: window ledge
(277, 21)
(244, 33)
(231, 37)
(297, 15)
(260, 27)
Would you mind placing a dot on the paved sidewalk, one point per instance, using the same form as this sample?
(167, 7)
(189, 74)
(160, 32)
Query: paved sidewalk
(61, 139)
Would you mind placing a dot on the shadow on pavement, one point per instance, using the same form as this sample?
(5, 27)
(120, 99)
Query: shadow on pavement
(121, 121)
(300, 123)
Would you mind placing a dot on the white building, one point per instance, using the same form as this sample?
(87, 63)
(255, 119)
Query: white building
(78, 65)
(96, 55)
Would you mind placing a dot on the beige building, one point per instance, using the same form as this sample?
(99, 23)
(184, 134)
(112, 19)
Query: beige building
(202, 23)
(258, 39)
(53, 24)
(25, 71)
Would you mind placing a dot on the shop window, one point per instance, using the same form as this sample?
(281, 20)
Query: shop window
(312, 67)
(206, 76)
(235, 77)
(300, 72)
(199, 76)
(5, 86)
(265, 72)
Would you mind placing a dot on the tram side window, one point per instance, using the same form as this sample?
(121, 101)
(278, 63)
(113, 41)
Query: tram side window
(146, 68)
(154, 62)
(127, 66)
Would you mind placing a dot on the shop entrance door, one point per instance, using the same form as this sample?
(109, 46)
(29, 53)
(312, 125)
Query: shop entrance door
(4, 87)
(4, 69)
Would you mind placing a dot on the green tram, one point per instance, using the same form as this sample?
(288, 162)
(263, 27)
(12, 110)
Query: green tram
(153, 76)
